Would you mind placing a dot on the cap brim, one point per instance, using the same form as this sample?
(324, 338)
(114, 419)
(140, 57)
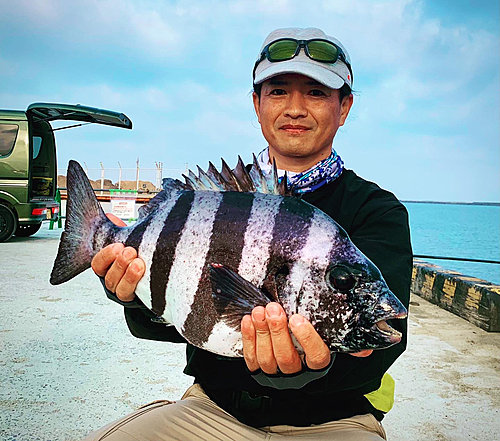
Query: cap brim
(324, 76)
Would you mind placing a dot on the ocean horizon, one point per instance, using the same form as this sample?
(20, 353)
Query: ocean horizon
(469, 230)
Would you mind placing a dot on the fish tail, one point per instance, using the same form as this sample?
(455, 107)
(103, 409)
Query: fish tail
(84, 215)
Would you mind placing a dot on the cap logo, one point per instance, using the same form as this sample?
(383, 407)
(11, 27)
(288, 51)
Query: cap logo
(348, 77)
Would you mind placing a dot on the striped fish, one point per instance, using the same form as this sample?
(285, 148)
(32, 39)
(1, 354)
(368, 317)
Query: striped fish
(222, 243)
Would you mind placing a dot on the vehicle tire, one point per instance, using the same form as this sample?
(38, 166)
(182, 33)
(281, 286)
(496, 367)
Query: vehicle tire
(27, 230)
(8, 223)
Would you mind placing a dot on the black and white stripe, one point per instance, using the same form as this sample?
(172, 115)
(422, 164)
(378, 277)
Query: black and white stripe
(305, 284)
(258, 238)
(253, 234)
(226, 246)
(164, 254)
(190, 256)
(153, 227)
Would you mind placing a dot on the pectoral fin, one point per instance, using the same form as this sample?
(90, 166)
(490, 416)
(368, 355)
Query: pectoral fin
(234, 297)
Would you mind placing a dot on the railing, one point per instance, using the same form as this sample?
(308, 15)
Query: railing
(458, 259)
(140, 177)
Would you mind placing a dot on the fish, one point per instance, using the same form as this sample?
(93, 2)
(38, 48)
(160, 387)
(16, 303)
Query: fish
(221, 243)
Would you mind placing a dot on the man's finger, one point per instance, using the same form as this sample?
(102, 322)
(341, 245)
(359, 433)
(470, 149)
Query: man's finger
(263, 344)
(125, 289)
(249, 349)
(105, 258)
(317, 353)
(119, 267)
(285, 353)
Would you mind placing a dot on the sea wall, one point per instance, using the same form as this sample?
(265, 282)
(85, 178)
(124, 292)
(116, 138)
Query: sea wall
(475, 300)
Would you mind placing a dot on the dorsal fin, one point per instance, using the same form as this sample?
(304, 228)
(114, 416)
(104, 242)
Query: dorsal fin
(274, 178)
(283, 186)
(258, 177)
(229, 177)
(239, 179)
(206, 180)
(243, 177)
(198, 182)
(189, 183)
(169, 185)
(216, 177)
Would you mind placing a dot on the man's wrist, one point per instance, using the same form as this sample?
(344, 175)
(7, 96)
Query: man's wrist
(296, 380)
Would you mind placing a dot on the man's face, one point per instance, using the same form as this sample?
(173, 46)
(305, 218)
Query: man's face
(299, 118)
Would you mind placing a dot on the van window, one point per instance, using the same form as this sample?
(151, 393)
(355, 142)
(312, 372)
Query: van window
(8, 135)
(37, 144)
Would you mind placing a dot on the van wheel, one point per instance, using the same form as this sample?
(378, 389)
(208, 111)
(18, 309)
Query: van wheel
(27, 230)
(7, 223)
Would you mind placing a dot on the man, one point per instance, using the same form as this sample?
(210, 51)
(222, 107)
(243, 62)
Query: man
(302, 95)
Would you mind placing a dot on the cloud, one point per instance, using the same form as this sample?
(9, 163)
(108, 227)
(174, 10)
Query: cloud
(98, 24)
(181, 70)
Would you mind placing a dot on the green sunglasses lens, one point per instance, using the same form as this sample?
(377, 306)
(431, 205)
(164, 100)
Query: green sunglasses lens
(322, 51)
(282, 50)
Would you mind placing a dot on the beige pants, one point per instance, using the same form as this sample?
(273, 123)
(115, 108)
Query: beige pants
(196, 417)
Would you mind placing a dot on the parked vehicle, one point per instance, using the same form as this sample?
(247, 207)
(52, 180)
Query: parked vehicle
(28, 163)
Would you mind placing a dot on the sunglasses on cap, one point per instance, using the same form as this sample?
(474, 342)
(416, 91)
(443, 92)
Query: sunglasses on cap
(316, 49)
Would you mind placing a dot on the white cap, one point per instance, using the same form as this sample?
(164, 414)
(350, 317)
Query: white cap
(333, 75)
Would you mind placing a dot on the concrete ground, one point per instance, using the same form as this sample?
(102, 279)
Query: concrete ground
(68, 363)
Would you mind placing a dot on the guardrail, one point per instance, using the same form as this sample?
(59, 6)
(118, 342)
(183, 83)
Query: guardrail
(473, 299)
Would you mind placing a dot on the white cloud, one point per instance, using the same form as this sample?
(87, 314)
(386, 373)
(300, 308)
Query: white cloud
(100, 24)
(426, 85)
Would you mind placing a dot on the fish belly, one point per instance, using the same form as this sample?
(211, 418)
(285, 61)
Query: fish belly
(224, 340)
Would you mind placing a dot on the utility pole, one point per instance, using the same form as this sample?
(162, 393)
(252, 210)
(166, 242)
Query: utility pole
(137, 176)
(119, 176)
(159, 174)
(102, 175)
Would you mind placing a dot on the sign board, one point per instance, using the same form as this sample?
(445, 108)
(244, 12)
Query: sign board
(123, 208)
(123, 204)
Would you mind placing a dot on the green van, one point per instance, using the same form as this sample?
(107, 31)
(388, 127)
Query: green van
(28, 164)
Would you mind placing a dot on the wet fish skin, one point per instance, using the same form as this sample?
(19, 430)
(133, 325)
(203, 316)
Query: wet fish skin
(212, 256)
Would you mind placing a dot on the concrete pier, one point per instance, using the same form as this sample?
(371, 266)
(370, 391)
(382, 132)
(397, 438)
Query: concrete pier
(69, 365)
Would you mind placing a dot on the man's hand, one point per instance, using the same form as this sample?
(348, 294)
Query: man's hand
(267, 343)
(120, 267)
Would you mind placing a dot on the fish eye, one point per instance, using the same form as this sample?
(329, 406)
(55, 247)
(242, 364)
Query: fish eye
(283, 271)
(341, 279)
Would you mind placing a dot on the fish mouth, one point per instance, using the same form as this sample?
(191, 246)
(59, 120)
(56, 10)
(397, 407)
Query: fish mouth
(386, 332)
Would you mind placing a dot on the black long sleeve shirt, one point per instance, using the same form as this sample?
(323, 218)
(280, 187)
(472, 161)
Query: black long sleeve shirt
(377, 224)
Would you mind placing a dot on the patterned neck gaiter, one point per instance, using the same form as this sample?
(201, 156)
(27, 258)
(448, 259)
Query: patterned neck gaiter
(318, 175)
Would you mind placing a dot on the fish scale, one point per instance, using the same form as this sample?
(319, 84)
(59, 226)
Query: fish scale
(221, 244)
(258, 238)
(189, 259)
(203, 316)
(154, 226)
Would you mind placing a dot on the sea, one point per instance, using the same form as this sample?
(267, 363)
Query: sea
(469, 231)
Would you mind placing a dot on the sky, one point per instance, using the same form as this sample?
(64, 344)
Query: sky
(425, 120)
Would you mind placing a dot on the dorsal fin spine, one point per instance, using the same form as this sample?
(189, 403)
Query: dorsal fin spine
(199, 184)
(258, 177)
(239, 179)
(244, 179)
(229, 177)
(216, 177)
(274, 177)
(206, 179)
(189, 182)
